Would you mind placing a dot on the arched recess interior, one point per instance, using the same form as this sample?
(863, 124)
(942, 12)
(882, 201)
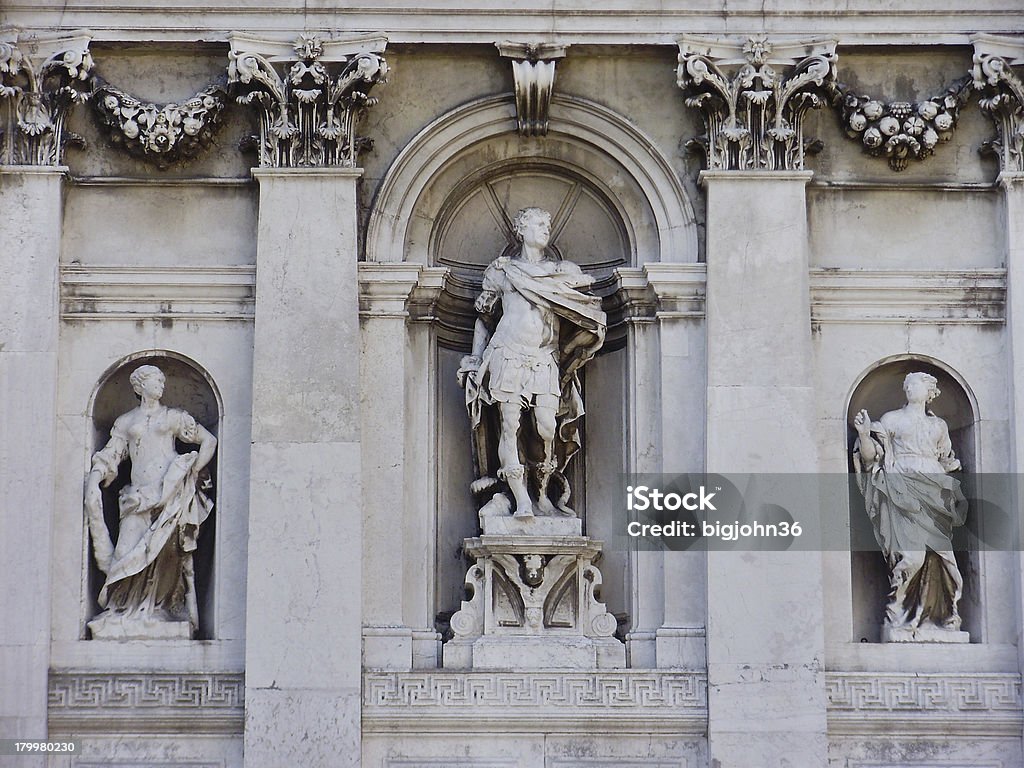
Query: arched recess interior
(879, 389)
(427, 186)
(190, 387)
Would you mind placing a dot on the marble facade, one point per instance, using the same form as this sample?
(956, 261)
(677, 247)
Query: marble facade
(289, 209)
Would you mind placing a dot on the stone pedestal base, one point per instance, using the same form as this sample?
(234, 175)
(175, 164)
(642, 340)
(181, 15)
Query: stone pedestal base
(110, 626)
(923, 635)
(535, 604)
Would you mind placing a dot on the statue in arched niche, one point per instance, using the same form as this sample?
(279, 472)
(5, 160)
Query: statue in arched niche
(149, 591)
(535, 330)
(903, 462)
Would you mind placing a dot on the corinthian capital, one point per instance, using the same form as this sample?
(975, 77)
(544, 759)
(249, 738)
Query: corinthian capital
(41, 79)
(309, 95)
(1002, 96)
(753, 97)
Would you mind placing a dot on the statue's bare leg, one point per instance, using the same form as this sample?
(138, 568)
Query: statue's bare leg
(544, 413)
(512, 471)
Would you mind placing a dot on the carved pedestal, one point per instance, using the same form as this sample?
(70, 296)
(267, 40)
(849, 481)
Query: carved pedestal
(534, 604)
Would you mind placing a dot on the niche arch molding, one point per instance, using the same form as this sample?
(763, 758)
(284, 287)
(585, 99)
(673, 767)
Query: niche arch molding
(582, 134)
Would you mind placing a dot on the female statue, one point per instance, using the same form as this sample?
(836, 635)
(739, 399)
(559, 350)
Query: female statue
(903, 461)
(150, 582)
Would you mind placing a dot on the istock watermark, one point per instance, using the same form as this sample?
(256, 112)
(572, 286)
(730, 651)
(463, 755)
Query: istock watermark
(797, 512)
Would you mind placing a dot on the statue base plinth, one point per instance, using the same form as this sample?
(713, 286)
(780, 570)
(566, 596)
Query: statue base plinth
(111, 626)
(535, 604)
(531, 525)
(923, 635)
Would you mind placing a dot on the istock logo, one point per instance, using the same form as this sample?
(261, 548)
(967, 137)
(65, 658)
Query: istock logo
(642, 498)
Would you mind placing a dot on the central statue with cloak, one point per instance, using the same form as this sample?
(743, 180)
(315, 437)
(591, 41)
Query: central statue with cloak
(534, 331)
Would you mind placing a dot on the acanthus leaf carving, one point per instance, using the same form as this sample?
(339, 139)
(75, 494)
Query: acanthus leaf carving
(1001, 97)
(753, 109)
(307, 115)
(41, 79)
(900, 130)
(160, 133)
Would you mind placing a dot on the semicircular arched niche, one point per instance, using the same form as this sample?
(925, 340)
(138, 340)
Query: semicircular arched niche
(618, 168)
(190, 388)
(878, 390)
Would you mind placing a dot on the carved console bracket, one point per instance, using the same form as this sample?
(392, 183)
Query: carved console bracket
(753, 97)
(900, 130)
(308, 109)
(533, 69)
(160, 133)
(1002, 96)
(41, 79)
(534, 601)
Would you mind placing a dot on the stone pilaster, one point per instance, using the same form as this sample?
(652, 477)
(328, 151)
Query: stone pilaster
(305, 574)
(766, 690)
(394, 631)
(30, 231)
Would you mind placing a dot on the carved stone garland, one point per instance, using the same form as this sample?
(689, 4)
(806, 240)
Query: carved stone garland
(160, 133)
(754, 117)
(40, 81)
(901, 130)
(1002, 97)
(307, 115)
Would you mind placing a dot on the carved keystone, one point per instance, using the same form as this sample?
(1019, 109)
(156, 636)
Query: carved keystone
(533, 69)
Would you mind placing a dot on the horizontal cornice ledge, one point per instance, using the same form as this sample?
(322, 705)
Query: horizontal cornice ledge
(950, 297)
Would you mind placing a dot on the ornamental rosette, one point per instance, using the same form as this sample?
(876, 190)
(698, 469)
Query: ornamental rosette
(900, 131)
(309, 108)
(160, 133)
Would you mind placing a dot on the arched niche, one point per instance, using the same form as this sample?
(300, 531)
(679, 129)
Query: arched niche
(878, 390)
(447, 202)
(189, 387)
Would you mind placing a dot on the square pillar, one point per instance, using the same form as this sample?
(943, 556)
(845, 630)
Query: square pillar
(766, 696)
(30, 234)
(304, 607)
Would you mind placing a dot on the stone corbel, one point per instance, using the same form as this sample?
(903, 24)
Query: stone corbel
(1002, 96)
(900, 130)
(753, 97)
(533, 69)
(159, 133)
(41, 79)
(309, 96)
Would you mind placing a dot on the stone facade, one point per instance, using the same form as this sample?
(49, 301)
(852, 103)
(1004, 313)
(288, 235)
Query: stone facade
(289, 210)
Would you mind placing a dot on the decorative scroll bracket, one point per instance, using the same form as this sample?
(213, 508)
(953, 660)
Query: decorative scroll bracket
(308, 110)
(533, 69)
(901, 130)
(41, 79)
(753, 112)
(1002, 96)
(160, 133)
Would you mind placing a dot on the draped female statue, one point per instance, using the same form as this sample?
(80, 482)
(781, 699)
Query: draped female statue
(903, 462)
(149, 591)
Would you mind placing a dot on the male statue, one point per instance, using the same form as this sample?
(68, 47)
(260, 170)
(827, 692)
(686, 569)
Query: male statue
(535, 330)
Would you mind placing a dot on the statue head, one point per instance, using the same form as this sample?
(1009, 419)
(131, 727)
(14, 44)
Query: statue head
(920, 386)
(148, 379)
(532, 226)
